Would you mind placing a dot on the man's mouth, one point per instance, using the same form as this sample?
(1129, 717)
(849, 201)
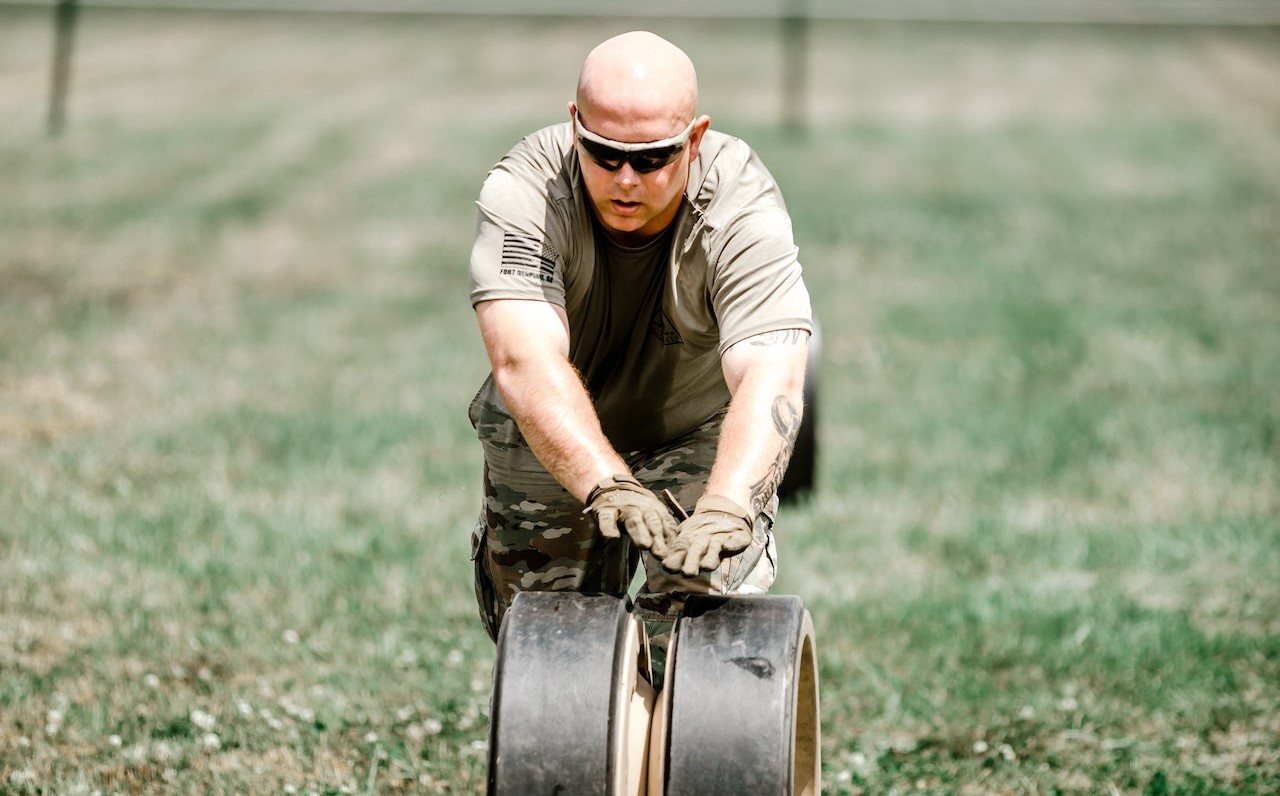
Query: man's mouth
(625, 208)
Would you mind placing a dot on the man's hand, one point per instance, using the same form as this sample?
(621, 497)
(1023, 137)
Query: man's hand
(622, 500)
(718, 528)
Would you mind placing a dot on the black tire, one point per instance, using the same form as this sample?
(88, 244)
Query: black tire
(563, 715)
(741, 700)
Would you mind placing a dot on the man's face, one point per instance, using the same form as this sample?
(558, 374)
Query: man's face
(633, 206)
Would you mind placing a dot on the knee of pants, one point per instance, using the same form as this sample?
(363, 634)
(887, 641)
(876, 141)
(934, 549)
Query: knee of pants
(562, 553)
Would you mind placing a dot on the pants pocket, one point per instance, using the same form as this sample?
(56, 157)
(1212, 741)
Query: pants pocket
(486, 594)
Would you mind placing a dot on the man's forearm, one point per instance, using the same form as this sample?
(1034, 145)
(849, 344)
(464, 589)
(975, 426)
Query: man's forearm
(558, 420)
(750, 463)
(766, 376)
(528, 345)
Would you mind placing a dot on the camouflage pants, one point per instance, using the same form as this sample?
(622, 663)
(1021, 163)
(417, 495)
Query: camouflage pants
(532, 535)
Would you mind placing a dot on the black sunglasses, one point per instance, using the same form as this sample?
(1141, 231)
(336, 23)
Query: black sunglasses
(643, 161)
(644, 158)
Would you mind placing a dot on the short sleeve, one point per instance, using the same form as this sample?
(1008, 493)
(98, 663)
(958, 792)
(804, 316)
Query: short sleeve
(517, 251)
(755, 278)
(757, 286)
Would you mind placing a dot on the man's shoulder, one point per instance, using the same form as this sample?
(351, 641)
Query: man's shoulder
(730, 179)
(717, 147)
(553, 141)
(541, 160)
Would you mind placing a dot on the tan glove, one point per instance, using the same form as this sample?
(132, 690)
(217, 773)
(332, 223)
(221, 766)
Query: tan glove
(622, 500)
(717, 529)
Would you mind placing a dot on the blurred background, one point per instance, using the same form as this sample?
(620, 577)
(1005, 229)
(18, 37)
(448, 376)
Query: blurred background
(237, 483)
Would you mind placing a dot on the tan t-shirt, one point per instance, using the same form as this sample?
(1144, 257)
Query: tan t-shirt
(647, 326)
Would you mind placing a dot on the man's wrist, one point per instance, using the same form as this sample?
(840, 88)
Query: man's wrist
(615, 481)
(724, 505)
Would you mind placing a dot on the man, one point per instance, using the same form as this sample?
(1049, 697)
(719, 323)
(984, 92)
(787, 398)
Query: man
(636, 285)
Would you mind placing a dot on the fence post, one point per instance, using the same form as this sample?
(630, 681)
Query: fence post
(64, 23)
(795, 66)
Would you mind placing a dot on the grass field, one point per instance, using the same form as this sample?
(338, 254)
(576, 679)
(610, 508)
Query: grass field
(237, 481)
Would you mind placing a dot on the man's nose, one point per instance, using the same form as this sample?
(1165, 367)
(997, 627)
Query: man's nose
(626, 175)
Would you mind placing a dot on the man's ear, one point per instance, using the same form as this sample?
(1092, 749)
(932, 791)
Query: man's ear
(700, 128)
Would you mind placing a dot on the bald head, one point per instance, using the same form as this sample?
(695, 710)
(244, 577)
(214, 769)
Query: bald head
(637, 87)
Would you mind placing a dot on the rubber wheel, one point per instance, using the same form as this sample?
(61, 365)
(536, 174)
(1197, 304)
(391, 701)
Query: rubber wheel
(569, 713)
(740, 707)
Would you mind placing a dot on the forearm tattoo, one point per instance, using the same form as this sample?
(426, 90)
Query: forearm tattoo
(786, 421)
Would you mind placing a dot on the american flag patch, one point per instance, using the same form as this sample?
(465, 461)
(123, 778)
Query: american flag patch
(527, 256)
